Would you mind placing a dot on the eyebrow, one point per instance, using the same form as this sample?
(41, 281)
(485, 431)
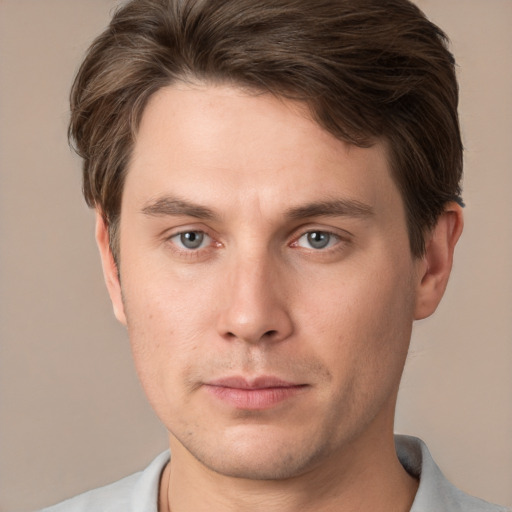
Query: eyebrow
(173, 206)
(332, 208)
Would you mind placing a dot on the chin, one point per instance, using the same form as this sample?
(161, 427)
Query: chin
(269, 466)
(259, 454)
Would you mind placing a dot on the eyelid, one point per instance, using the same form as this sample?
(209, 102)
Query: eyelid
(169, 234)
(333, 239)
(342, 236)
(312, 228)
(186, 228)
(187, 249)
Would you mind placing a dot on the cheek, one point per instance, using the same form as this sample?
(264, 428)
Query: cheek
(166, 325)
(170, 306)
(364, 323)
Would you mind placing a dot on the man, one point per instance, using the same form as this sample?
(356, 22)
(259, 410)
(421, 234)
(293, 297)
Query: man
(277, 188)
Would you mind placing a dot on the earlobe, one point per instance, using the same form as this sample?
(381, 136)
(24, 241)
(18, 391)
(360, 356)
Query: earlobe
(435, 266)
(110, 270)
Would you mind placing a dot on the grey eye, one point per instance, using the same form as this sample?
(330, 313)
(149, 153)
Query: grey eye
(190, 239)
(317, 240)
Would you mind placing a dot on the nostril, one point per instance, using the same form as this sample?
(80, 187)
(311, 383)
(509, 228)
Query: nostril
(266, 335)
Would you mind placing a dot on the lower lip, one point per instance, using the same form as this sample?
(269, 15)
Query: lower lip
(254, 399)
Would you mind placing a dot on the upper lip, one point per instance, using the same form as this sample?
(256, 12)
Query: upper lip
(261, 382)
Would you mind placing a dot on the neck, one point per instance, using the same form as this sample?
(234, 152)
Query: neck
(367, 476)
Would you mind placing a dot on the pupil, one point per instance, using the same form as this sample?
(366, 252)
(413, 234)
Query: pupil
(318, 239)
(192, 239)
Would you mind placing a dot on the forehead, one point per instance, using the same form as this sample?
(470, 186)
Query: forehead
(222, 144)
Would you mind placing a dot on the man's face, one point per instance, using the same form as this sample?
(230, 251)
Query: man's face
(267, 282)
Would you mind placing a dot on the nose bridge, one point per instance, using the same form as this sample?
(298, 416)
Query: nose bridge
(254, 306)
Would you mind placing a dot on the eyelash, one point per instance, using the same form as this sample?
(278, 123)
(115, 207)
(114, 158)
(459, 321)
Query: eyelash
(332, 237)
(188, 252)
(201, 234)
(338, 244)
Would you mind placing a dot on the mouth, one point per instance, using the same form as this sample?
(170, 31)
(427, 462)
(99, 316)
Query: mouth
(253, 394)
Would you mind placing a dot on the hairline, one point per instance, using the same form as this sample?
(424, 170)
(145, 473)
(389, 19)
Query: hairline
(191, 80)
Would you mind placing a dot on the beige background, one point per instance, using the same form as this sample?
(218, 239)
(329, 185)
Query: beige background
(72, 413)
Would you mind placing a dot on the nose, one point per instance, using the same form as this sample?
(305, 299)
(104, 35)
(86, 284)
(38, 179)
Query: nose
(254, 302)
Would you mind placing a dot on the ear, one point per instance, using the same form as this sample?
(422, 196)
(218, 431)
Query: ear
(110, 271)
(435, 266)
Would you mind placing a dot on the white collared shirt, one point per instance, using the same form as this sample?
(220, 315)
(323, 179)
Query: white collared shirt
(139, 492)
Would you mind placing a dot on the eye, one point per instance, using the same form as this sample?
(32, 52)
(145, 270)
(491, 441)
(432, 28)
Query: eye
(191, 240)
(317, 240)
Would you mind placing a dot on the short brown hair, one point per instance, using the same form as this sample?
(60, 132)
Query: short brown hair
(368, 70)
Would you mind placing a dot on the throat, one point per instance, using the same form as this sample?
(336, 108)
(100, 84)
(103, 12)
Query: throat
(366, 491)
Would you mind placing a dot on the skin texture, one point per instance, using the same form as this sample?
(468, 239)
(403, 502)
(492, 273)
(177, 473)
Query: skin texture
(252, 179)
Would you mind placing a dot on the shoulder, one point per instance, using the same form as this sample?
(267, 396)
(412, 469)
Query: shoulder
(435, 492)
(110, 498)
(133, 493)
